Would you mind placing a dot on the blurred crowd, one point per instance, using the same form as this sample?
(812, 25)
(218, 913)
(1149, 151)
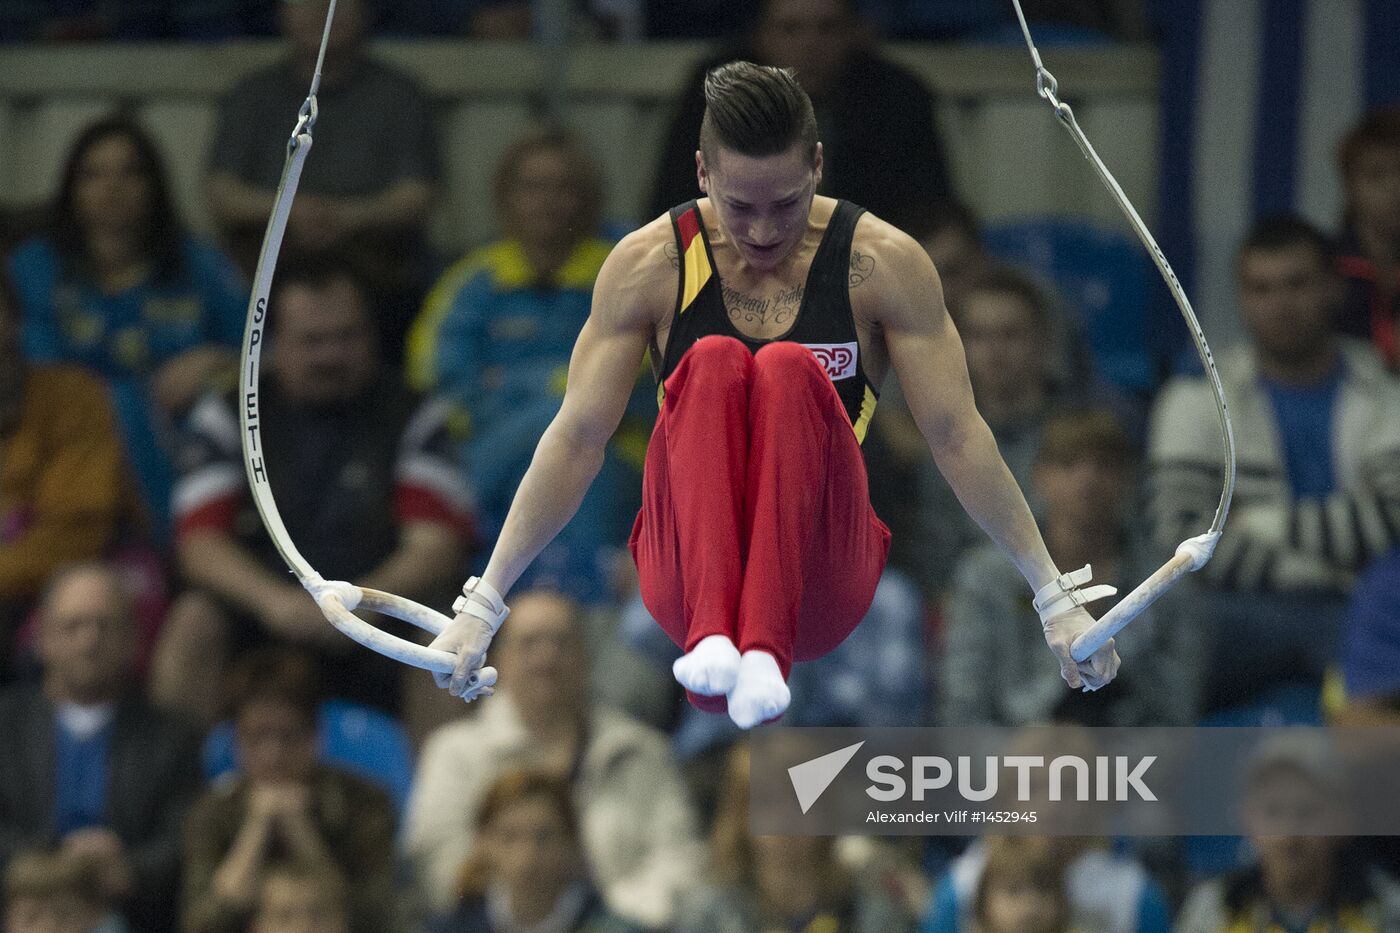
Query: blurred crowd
(186, 744)
(608, 20)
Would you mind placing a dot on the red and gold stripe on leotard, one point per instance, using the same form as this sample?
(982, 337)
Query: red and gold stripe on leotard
(696, 260)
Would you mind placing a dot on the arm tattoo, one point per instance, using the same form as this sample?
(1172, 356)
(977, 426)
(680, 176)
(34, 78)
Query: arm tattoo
(673, 255)
(779, 309)
(862, 267)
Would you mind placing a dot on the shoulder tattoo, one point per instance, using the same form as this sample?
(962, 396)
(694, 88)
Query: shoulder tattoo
(862, 267)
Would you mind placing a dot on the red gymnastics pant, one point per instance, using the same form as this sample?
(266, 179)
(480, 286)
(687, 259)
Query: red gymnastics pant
(756, 520)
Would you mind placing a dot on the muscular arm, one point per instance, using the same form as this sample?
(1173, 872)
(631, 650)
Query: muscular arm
(906, 301)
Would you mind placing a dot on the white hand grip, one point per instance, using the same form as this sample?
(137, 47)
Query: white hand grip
(1130, 607)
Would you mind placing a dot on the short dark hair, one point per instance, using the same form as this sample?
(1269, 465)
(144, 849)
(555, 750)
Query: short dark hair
(1072, 434)
(1008, 280)
(1285, 231)
(286, 676)
(756, 110)
(949, 214)
(1378, 129)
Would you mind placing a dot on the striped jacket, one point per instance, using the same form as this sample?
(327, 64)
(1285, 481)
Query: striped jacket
(1272, 541)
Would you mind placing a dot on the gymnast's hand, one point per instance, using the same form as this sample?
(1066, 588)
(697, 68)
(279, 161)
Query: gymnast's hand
(1092, 673)
(468, 638)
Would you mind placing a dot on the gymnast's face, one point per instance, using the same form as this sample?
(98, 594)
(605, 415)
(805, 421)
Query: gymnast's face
(762, 202)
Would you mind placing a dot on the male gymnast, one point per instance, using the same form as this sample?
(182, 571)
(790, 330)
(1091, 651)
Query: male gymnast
(772, 316)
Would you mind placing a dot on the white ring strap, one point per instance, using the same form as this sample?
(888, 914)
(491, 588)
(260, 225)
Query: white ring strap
(336, 599)
(1194, 552)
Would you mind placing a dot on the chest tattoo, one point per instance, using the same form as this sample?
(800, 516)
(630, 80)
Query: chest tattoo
(779, 308)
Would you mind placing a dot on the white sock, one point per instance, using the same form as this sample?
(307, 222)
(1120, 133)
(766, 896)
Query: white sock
(760, 693)
(710, 668)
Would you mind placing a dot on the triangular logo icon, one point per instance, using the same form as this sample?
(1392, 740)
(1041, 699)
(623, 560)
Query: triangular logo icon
(811, 778)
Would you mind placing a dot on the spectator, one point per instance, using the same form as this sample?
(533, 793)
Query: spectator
(528, 870)
(876, 119)
(61, 472)
(953, 240)
(302, 899)
(636, 825)
(991, 673)
(1370, 652)
(1022, 889)
(1319, 468)
(367, 482)
(1004, 322)
(54, 893)
(369, 189)
(86, 764)
(775, 883)
(1302, 879)
(1370, 240)
(118, 286)
(1107, 893)
(285, 806)
(495, 336)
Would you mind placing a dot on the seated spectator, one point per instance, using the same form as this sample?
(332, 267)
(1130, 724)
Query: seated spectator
(1301, 879)
(778, 884)
(54, 893)
(1022, 889)
(495, 337)
(1370, 647)
(952, 237)
(636, 824)
(528, 870)
(991, 668)
(365, 476)
(369, 189)
(1370, 239)
(283, 806)
(876, 677)
(61, 472)
(1107, 893)
(876, 118)
(1003, 323)
(85, 764)
(1319, 469)
(118, 286)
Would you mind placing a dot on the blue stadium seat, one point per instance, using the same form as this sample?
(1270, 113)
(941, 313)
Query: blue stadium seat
(362, 740)
(1104, 276)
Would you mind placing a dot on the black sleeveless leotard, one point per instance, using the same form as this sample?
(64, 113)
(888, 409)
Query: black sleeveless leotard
(824, 323)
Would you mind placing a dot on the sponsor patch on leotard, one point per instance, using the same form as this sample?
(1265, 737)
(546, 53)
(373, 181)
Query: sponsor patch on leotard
(838, 359)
